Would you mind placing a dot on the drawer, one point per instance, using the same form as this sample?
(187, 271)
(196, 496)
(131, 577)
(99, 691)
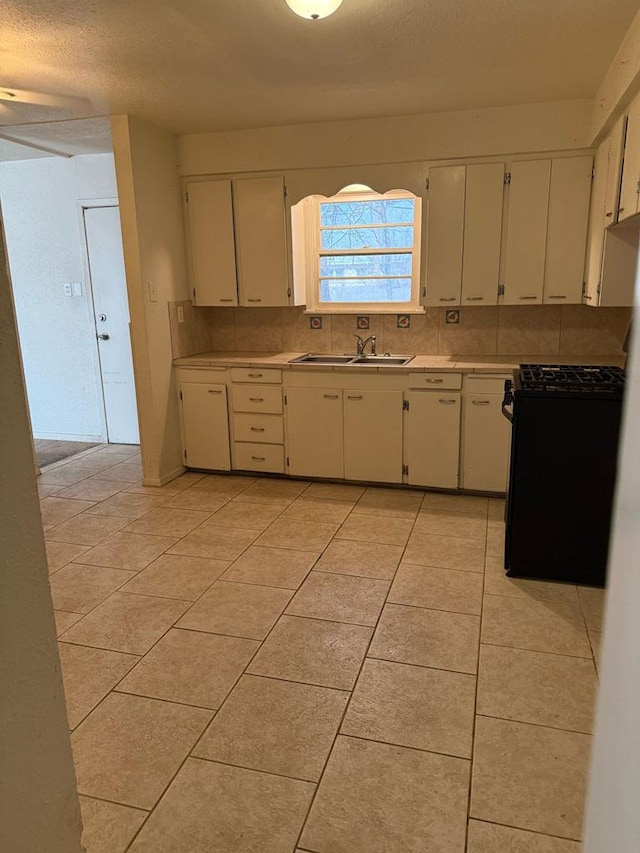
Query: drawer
(256, 374)
(257, 398)
(452, 381)
(258, 428)
(475, 383)
(248, 456)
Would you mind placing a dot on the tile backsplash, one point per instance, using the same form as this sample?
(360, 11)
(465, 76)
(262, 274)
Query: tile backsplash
(502, 330)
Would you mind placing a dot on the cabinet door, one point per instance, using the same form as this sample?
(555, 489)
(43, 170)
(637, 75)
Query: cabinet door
(445, 228)
(526, 232)
(614, 171)
(373, 436)
(595, 239)
(631, 165)
(314, 432)
(567, 229)
(486, 439)
(261, 241)
(432, 438)
(205, 425)
(482, 234)
(212, 247)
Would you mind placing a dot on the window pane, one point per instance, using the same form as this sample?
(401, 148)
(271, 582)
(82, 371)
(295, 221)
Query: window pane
(367, 290)
(348, 266)
(374, 212)
(368, 238)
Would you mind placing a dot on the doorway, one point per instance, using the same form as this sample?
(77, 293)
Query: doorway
(111, 318)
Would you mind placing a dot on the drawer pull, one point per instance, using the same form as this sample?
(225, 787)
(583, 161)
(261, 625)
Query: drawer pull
(256, 399)
(354, 398)
(527, 297)
(449, 299)
(474, 298)
(609, 214)
(255, 375)
(214, 391)
(587, 297)
(481, 402)
(259, 458)
(332, 396)
(256, 429)
(556, 297)
(435, 381)
(254, 300)
(447, 402)
(230, 299)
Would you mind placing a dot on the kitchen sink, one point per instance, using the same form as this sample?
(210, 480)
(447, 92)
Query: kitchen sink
(311, 358)
(352, 360)
(382, 359)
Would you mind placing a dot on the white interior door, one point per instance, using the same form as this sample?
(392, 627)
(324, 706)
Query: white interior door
(108, 283)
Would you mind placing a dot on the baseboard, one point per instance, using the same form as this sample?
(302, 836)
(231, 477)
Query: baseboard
(67, 436)
(166, 478)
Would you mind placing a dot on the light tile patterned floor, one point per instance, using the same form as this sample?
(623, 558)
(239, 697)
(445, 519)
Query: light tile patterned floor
(268, 666)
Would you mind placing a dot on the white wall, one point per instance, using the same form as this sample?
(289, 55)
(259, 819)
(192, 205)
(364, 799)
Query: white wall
(613, 816)
(45, 245)
(39, 811)
(154, 253)
(555, 126)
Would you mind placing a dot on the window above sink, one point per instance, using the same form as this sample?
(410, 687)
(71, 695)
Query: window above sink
(359, 251)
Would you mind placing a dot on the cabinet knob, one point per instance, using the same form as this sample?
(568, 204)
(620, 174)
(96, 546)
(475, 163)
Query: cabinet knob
(474, 298)
(448, 299)
(435, 381)
(332, 396)
(256, 399)
(227, 300)
(447, 402)
(481, 402)
(254, 300)
(556, 297)
(527, 297)
(259, 458)
(354, 398)
(255, 375)
(256, 429)
(214, 391)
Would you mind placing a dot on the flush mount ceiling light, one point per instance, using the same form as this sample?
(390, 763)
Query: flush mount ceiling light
(313, 9)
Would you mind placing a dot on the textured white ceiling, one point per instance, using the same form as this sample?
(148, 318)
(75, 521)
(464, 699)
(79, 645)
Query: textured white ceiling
(62, 138)
(194, 65)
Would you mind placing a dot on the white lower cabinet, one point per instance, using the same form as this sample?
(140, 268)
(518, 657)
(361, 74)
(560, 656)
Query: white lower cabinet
(486, 437)
(373, 435)
(205, 425)
(432, 438)
(315, 445)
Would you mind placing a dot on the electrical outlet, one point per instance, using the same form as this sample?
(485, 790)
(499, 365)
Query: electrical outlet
(67, 288)
(180, 314)
(153, 293)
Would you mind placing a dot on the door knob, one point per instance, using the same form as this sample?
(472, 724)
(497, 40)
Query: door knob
(103, 337)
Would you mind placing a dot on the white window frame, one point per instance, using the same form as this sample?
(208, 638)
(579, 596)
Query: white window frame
(315, 252)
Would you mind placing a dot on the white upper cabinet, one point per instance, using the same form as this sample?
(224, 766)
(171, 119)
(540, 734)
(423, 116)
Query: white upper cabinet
(238, 242)
(567, 229)
(527, 232)
(611, 253)
(261, 241)
(614, 172)
(445, 234)
(212, 245)
(631, 167)
(482, 234)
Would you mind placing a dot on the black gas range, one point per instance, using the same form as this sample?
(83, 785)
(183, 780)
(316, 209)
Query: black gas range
(565, 429)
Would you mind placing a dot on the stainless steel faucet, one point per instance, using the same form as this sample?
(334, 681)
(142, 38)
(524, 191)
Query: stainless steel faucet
(363, 343)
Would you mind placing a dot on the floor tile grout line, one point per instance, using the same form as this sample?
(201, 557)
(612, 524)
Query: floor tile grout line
(537, 725)
(539, 651)
(475, 698)
(115, 802)
(521, 829)
(466, 758)
(346, 708)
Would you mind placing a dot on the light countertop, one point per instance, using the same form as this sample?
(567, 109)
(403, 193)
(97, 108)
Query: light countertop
(420, 363)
